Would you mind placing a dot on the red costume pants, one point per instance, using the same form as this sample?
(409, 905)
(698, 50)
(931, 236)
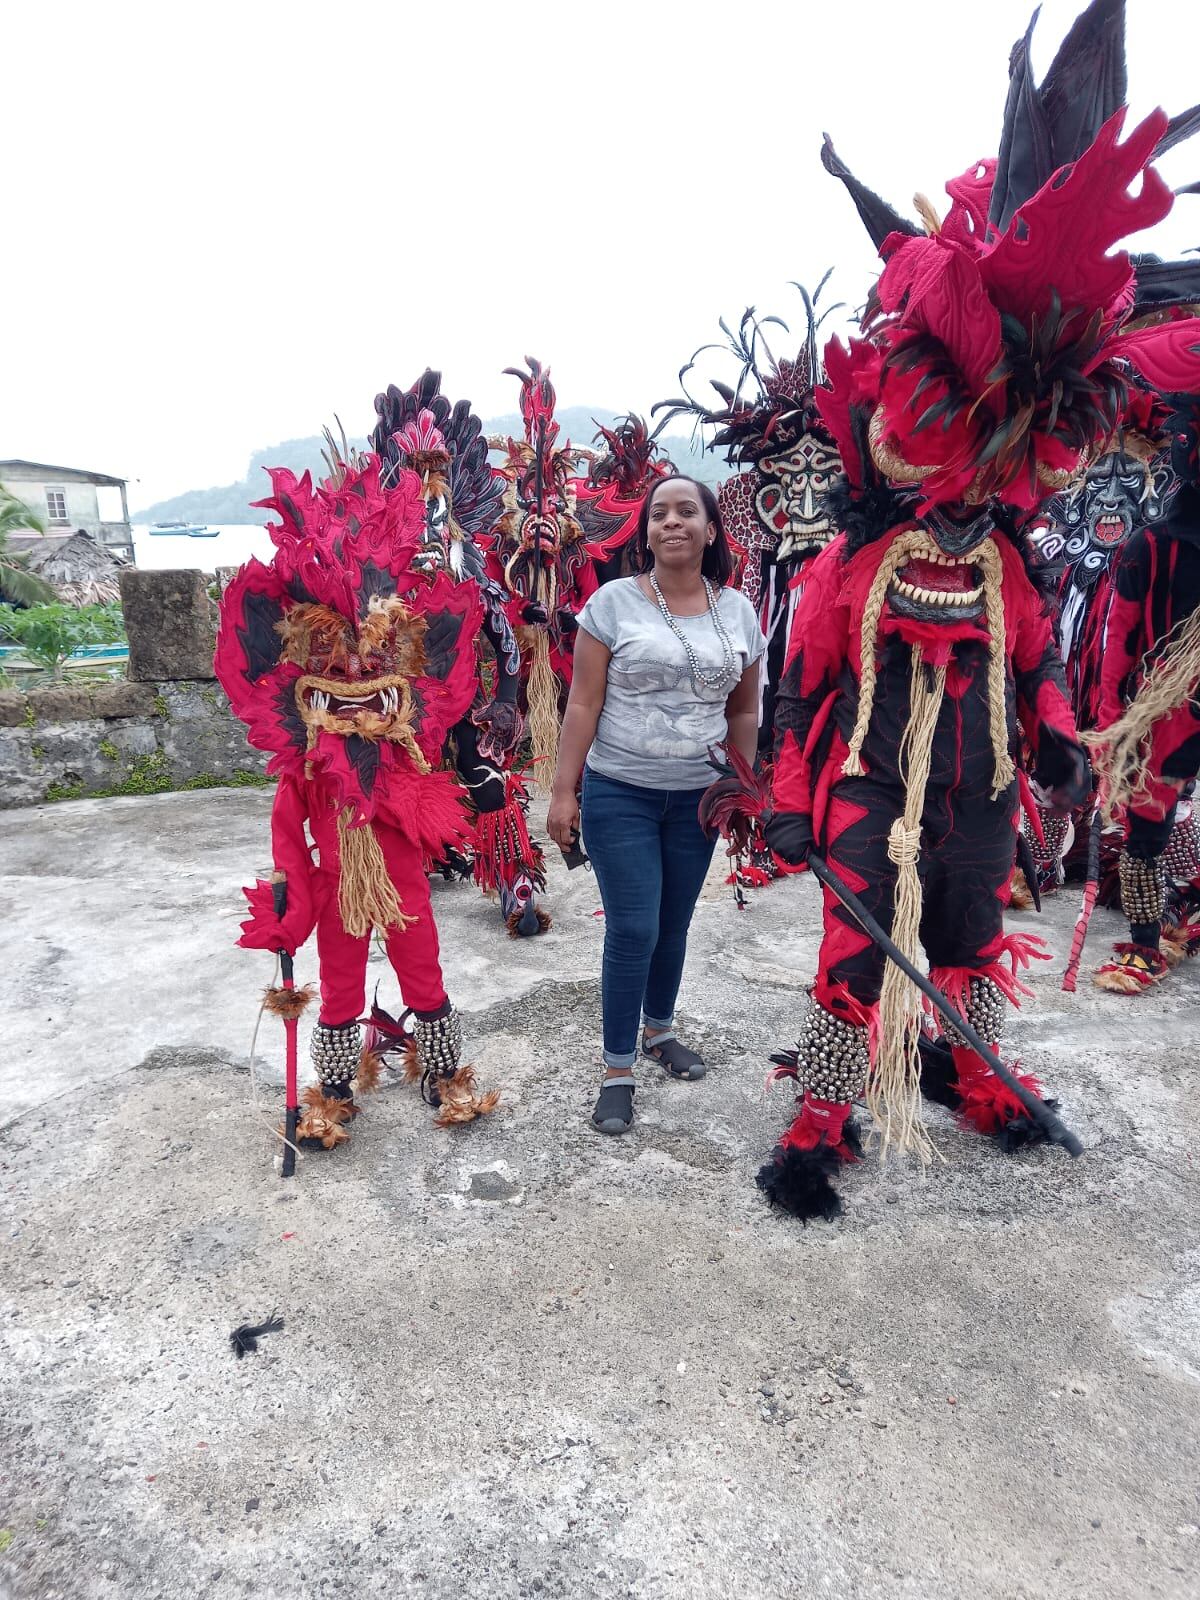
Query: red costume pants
(968, 843)
(412, 950)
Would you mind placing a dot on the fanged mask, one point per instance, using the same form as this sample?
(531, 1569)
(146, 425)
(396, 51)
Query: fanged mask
(1115, 497)
(356, 683)
(936, 586)
(791, 502)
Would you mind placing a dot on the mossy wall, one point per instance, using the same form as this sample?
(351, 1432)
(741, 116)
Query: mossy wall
(76, 742)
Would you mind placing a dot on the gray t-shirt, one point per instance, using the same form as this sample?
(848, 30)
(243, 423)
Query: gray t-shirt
(657, 722)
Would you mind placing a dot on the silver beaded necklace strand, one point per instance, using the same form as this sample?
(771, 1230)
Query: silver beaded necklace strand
(699, 678)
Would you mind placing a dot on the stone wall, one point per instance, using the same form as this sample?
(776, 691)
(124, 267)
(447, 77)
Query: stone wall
(168, 726)
(120, 738)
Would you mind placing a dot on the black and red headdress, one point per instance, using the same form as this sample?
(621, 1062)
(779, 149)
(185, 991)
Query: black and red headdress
(609, 499)
(771, 405)
(419, 428)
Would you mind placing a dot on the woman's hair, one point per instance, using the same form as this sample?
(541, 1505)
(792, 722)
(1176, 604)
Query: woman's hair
(717, 565)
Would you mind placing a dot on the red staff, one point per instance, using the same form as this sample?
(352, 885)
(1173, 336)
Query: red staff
(287, 1002)
(1089, 901)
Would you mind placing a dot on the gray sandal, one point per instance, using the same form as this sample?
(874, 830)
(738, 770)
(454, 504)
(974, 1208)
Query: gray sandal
(676, 1060)
(614, 1108)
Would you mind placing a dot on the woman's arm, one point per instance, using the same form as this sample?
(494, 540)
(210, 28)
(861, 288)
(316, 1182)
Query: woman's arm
(589, 684)
(741, 713)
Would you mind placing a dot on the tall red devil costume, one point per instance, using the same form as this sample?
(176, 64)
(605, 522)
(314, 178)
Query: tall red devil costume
(350, 666)
(538, 552)
(418, 428)
(991, 372)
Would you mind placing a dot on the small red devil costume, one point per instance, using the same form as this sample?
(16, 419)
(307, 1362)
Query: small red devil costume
(538, 553)
(775, 509)
(919, 639)
(350, 667)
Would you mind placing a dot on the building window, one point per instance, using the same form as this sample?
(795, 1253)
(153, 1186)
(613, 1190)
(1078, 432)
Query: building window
(56, 504)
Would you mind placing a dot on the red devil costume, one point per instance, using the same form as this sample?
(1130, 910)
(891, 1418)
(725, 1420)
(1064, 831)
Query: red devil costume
(992, 370)
(538, 552)
(350, 666)
(418, 428)
(1087, 528)
(1148, 752)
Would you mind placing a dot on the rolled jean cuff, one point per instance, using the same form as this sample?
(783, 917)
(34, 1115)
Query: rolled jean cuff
(620, 1058)
(656, 1022)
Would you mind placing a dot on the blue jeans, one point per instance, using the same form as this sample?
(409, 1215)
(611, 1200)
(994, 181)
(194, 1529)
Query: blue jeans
(650, 857)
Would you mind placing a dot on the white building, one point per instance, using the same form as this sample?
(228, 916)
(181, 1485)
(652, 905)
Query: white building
(67, 499)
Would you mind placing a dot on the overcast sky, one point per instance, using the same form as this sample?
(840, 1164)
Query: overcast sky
(225, 222)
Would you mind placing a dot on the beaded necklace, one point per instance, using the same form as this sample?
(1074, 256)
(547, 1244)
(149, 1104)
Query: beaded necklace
(728, 666)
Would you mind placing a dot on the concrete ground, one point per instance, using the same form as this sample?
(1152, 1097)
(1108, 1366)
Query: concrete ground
(523, 1360)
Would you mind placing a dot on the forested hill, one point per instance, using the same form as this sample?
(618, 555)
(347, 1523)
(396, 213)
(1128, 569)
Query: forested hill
(230, 503)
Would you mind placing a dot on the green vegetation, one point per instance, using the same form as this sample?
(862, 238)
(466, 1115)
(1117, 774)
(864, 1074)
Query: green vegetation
(19, 586)
(149, 774)
(49, 634)
(109, 750)
(29, 716)
(65, 791)
(235, 780)
(161, 706)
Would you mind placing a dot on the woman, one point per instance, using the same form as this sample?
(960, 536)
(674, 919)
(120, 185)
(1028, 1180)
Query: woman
(666, 665)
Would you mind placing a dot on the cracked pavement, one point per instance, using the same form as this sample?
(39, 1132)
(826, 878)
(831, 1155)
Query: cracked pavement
(521, 1359)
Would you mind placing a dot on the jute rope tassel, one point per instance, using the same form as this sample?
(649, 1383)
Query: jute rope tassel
(367, 896)
(543, 709)
(894, 1085)
(1122, 759)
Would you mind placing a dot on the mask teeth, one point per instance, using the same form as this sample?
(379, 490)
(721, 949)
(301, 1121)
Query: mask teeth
(936, 597)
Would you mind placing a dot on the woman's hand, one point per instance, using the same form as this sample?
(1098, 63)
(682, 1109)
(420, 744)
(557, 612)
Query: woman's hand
(562, 819)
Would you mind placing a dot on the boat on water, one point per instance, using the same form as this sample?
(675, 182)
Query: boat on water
(186, 530)
(14, 659)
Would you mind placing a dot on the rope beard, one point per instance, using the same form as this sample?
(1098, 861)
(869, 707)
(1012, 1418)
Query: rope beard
(1122, 750)
(367, 896)
(894, 1086)
(1003, 772)
(987, 557)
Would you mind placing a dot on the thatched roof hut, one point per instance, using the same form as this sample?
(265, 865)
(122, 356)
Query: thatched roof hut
(79, 568)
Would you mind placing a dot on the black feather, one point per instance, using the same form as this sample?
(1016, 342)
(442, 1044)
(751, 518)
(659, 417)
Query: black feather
(878, 217)
(1022, 1131)
(868, 514)
(798, 1181)
(244, 1339)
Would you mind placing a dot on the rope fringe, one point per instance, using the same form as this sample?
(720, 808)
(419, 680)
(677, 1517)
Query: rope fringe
(367, 896)
(543, 690)
(894, 1085)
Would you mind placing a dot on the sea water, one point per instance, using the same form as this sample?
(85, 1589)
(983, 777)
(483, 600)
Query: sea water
(233, 544)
